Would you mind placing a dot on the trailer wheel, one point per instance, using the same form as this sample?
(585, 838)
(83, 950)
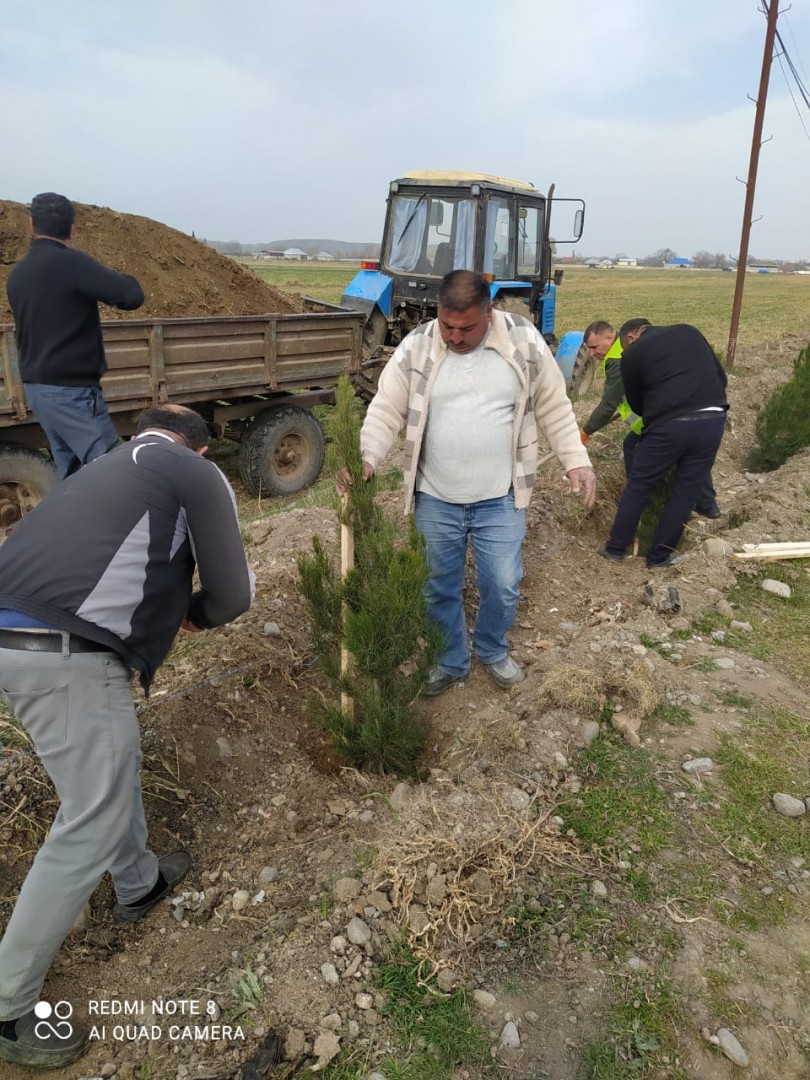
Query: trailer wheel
(583, 374)
(282, 452)
(26, 477)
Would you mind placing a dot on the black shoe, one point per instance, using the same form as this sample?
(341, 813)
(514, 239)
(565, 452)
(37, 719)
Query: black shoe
(43, 1039)
(171, 870)
(670, 560)
(712, 511)
(612, 556)
(439, 681)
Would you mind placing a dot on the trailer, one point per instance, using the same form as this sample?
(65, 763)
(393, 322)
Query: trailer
(253, 379)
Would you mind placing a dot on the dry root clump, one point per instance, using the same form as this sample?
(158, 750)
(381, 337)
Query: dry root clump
(629, 694)
(452, 869)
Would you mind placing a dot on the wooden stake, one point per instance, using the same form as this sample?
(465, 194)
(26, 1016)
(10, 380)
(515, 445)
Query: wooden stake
(346, 564)
(774, 552)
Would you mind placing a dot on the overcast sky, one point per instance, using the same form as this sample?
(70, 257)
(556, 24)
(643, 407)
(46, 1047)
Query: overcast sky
(257, 120)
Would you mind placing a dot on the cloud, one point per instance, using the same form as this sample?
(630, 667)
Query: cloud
(256, 120)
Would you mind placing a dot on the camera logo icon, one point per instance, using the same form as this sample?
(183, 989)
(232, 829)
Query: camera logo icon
(53, 1020)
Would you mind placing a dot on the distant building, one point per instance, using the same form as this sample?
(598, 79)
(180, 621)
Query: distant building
(295, 253)
(264, 254)
(678, 264)
(322, 256)
(760, 267)
(627, 262)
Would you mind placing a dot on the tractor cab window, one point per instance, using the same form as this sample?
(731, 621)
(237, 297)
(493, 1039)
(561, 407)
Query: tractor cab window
(529, 240)
(499, 256)
(431, 235)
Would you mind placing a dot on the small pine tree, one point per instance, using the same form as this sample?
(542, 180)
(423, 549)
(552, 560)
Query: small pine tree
(783, 423)
(378, 613)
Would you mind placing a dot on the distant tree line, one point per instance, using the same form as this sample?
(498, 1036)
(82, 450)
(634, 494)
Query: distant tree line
(707, 260)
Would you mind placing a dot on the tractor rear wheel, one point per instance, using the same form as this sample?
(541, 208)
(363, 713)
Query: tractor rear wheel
(583, 374)
(375, 354)
(282, 452)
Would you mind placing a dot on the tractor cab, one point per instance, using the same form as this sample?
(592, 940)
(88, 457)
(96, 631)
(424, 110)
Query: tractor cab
(441, 221)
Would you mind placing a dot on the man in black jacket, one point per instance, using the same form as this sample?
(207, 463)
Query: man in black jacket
(673, 380)
(94, 583)
(54, 292)
(604, 344)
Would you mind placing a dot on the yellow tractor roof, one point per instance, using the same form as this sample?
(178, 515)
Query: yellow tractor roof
(456, 176)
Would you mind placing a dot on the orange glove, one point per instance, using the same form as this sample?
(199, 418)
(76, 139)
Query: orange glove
(584, 436)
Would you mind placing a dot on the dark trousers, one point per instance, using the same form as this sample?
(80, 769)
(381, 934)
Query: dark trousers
(707, 498)
(691, 446)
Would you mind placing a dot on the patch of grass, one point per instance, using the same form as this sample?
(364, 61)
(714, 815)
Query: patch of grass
(756, 910)
(571, 909)
(733, 700)
(674, 715)
(620, 801)
(650, 642)
(247, 992)
(642, 1031)
(705, 664)
(364, 857)
(13, 735)
(723, 1007)
(709, 621)
(772, 756)
(780, 627)
(437, 1030)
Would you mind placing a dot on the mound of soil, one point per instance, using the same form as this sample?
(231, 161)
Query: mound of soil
(182, 278)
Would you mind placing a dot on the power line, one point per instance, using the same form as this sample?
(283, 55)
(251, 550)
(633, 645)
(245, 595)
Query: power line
(801, 87)
(795, 42)
(792, 96)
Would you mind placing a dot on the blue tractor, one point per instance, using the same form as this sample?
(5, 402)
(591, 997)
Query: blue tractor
(441, 221)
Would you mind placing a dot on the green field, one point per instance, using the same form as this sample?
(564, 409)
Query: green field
(773, 304)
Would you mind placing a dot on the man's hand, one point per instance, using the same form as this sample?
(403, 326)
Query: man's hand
(186, 624)
(344, 481)
(584, 437)
(583, 482)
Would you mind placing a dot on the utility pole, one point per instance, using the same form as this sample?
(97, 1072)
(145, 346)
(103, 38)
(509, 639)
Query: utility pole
(772, 9)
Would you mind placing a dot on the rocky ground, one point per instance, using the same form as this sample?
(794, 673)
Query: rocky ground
(306, 870)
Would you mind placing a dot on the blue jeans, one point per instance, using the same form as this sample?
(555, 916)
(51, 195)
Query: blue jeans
(496, 530)
(76, 422)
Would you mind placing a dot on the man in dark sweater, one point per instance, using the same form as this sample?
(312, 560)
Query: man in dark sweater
(54, 292)
(673, 380)
(131, 528)
(605, 345)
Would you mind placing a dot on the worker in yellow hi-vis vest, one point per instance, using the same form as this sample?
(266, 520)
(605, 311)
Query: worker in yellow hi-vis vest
(604, 344)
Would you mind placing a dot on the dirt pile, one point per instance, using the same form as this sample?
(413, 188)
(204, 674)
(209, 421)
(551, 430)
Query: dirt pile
(182, 278)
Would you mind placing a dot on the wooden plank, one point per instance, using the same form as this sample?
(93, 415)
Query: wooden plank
(157, 365)
(773, 552)
(12, 383)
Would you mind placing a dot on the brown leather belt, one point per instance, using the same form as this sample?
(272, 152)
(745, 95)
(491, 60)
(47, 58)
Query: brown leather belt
(50, 642)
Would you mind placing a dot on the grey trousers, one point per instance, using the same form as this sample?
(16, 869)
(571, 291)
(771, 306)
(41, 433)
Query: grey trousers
(79, 714)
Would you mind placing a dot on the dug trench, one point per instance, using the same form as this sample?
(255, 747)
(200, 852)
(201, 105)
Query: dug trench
(601, 908)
